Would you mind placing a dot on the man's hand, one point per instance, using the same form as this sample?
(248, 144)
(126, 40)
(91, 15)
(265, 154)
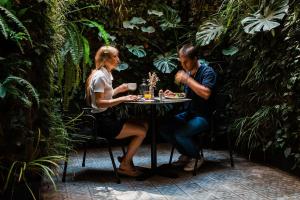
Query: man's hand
(181, 77)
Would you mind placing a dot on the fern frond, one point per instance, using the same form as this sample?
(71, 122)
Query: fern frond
(17, 22)
(3, 27)
(22, 82)
(86, 50)
(74, 43)
(102, 31)
(86, 57)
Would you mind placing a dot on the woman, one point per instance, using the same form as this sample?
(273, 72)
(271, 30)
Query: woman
(99, 94)
(199, 80)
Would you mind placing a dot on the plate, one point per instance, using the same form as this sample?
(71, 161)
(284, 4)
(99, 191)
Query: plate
(176, 96)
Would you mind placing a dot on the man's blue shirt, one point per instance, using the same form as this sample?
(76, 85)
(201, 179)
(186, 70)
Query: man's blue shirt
(207, 77)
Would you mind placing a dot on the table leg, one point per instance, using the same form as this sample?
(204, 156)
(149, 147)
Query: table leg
(153, 140)
(163, 170)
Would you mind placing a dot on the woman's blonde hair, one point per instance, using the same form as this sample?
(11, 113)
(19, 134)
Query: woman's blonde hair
(103, 54)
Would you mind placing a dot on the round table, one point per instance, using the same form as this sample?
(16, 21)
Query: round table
(153, 104)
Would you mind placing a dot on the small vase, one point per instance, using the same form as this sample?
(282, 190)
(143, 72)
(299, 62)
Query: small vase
(151, 90)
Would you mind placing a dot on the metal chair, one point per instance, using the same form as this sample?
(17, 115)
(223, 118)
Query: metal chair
(219, 114)
(87, 133)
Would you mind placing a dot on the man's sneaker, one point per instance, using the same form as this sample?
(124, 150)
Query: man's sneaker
(190, 166)
(182, 161)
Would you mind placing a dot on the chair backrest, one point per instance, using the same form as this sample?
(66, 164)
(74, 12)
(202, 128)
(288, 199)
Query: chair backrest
(87, 124)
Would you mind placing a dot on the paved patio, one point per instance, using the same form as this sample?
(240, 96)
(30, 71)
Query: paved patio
(215, 180)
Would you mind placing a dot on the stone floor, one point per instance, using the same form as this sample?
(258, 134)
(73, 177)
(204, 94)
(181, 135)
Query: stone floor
(215, 180)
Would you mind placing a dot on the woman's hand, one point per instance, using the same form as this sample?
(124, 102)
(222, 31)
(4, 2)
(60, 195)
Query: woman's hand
(181, 77)
(130, 98)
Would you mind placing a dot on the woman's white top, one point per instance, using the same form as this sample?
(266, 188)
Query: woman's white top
(101, 82)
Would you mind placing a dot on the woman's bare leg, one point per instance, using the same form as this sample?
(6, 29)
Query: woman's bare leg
(138, 132)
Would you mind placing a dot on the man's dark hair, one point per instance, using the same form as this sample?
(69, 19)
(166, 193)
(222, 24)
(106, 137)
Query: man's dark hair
(189, 51)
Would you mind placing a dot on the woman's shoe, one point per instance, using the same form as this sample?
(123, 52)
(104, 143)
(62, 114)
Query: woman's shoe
(129, 172)
(120, 159)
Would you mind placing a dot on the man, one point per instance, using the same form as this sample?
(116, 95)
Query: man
(199, 80)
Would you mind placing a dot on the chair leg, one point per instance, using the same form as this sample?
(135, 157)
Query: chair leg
(84, 156)
(65, 168)
(201, 152)
(171, 156)
(201, 146)
(114, 164)
(230, 150)
(195, 166)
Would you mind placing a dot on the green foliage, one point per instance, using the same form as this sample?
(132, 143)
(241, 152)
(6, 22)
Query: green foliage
(122, 66)
(9, 86)
(263, 74)
(8, 31)
(170, 18)
(21, 171)
(102, 33)
(166, 63)
(208, 32)
(155, 12)
(250, 128)
(136, 50)
(230, 51)
(149, 29)
(267, 19)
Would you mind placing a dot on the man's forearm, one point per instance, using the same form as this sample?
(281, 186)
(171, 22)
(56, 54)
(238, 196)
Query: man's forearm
(199, 89)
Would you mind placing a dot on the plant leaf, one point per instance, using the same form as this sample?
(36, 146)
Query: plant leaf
(149, 29)
(128, 25)
(29, 88)
(3, 27)
(101, 31)
(170, 18)
(122, 66)
(2, 91)
(17, 22)
(167, 63)
(137, 20)
(155, 12)
(268, 19)
(137, 50)
(208, 32)
(230, 51)
(287, 152)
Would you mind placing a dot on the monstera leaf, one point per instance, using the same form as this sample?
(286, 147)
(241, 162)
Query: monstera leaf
(133, 23)
(122, 66)
(267, 19)
(208, 32)
(149, 29)
(137, 50)
(167, 63)
(127, 24)
(170, 19)
(137, 20)
(155, 12)
(230, 51)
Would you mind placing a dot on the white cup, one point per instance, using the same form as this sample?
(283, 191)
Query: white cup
(132, 86)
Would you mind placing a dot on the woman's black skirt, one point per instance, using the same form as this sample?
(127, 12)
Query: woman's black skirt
(109, 125)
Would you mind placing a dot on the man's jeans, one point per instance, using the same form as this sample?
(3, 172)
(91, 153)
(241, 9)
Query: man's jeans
(179, 131)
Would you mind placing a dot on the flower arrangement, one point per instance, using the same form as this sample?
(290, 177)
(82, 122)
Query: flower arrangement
(153, 79)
